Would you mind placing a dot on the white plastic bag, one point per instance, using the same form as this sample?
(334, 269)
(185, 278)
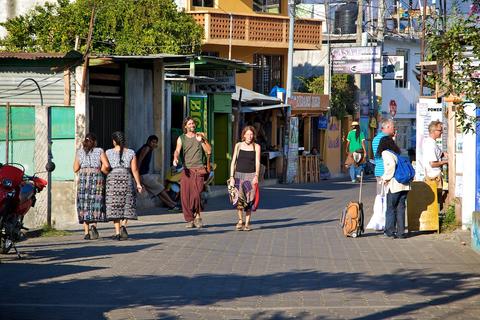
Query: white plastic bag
(377, 221)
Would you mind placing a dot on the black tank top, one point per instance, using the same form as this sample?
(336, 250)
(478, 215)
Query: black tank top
(246, 161)
(145, 165)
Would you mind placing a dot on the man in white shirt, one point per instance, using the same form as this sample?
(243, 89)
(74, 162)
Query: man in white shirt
(433, 157)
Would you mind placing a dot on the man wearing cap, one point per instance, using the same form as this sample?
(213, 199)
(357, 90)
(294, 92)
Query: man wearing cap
(356, 150)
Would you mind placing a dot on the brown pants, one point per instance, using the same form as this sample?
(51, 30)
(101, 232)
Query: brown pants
(191, 187)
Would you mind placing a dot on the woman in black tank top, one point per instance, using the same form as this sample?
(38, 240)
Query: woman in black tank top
(244, 172)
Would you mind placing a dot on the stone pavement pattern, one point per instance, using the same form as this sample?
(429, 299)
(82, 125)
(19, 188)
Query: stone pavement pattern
(294, 264)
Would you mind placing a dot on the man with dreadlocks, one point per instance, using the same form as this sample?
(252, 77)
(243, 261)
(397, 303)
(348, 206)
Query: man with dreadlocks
(195, 151)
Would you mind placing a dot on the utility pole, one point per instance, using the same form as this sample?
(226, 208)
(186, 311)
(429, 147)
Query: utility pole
(358, 77)
(397, 8)
(422, 45)
(380, 31)
(287, 154)
(291, 29)
(327, 85)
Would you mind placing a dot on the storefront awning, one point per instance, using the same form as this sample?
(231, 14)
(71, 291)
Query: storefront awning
(254, 101)
(252, 97)
(246, 109)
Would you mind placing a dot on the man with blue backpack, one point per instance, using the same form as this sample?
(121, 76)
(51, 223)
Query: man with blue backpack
(397, 175)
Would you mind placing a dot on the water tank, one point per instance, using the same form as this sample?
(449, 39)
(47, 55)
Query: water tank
(346, 19)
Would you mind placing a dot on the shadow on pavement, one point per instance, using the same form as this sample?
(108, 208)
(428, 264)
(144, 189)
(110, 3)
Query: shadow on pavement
(101, 295)
(88, 251)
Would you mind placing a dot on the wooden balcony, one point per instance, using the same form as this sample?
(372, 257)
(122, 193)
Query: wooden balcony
(258, 30)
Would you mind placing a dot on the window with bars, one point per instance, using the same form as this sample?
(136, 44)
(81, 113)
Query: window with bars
(403, 83)
(267, 73)
(203, 3)
(267, 6)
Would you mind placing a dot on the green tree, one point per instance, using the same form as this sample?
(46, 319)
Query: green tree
(124, 27)
(455, 51)
(342, 101)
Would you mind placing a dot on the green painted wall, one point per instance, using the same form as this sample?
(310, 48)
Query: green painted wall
(22, 139)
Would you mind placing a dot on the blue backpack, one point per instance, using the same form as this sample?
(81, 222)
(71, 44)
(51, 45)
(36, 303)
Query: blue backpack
(404, 171)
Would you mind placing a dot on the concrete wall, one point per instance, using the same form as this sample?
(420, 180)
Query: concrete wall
(64, 213)
(406, 98)
(237, 6)
(138, 106)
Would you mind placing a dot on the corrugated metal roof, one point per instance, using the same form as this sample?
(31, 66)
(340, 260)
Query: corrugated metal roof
(39, 55)
(51, 84)
(175, 58)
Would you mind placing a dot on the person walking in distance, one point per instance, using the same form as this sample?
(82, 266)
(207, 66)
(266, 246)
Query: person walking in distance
(396, 191)
(195, 151)
(244, 172)
(120, 191)
(90, 164)
(355, 148)
(434, 158)
(151, 182)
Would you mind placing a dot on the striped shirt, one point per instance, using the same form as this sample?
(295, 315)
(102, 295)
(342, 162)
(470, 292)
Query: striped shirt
(378, 159)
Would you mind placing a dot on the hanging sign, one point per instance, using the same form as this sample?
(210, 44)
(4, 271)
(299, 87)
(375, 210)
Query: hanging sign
(197, 106)
(393, 67)
(356, 60)
(322, 122)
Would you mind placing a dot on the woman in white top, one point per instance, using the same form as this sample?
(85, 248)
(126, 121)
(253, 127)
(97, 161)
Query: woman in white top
(396, 191)
(90, 164)
(120, 194)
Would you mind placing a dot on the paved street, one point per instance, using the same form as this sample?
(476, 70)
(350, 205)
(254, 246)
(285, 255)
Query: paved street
(294, 264)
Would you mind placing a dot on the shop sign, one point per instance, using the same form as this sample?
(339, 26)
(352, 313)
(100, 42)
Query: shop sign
(308, 103)
(322, 122)
(197, 106)
(428, 110)
(393, 67)
(216, 81)
(356, 60)
(180, 87)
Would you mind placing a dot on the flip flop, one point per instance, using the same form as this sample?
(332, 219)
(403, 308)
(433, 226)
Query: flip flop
(239, 226)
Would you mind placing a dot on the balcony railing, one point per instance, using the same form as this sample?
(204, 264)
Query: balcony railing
(258, 30)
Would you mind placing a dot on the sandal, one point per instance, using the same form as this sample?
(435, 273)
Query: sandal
(239, 225)
(247, 228)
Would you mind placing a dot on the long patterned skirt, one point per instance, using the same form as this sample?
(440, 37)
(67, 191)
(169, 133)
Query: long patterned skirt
(91, 196)
(246, 190)
(121, 196)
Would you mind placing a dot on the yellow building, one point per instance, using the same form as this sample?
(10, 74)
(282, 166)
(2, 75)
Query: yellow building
(255, 31)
